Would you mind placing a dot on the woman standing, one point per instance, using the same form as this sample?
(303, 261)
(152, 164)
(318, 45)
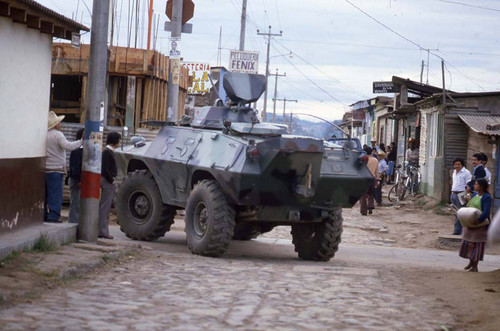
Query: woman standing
(474, 239)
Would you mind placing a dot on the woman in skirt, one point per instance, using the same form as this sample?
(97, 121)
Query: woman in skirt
(474, 239)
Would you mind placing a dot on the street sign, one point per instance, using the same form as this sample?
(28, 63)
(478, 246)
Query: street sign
(187, 10)
(244, 61)
(385, 87)
(185, 28)
(358, 115)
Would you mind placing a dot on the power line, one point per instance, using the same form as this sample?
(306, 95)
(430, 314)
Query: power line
(300, 71)
(337, 81)
(315, 84)
(411, 41)
(469, 5)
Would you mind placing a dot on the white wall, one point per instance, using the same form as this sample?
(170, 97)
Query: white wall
(25, 67)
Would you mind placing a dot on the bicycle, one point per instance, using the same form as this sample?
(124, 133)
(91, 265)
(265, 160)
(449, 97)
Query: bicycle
(413, 181)
(398, 190)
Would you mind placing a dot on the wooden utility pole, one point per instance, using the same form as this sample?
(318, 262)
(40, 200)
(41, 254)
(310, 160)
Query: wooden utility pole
(285, 100)
(94, 121)
(444, 87)
(269, 35)
(150, 23)
(422, 72)
(276, 75)
(243, 24)
(174, 62)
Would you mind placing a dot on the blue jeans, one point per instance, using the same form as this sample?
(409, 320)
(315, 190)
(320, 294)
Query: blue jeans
(53, 196)
(74, 206)
(456, 202)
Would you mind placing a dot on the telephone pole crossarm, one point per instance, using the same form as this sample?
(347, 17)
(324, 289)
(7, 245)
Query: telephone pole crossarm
(276, 75)
(285, 100)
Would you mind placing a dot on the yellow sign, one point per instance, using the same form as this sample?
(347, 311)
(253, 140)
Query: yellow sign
(201, 81)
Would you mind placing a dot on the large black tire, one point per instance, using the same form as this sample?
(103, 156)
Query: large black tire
(250, 230)
(141, 213)
(209, 220)
(318, 241)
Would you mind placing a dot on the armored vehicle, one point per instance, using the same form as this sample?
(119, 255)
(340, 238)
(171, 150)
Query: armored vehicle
(236, 178)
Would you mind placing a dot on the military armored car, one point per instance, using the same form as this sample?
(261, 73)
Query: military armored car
(237, 178)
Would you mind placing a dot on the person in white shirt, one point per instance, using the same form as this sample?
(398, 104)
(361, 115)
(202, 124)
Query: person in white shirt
(461, 176)
(412, 153)
(484, 160)
(55, 167)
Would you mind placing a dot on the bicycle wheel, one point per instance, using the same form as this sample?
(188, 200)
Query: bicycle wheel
(391, 196)
(403, 189)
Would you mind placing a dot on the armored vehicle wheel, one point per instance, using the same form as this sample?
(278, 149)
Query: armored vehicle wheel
(248, 231)
(209, 220)
(140, 211)
(318, 241)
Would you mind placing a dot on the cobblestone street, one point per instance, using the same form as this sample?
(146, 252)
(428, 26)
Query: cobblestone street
(375, 281)
(158, 290)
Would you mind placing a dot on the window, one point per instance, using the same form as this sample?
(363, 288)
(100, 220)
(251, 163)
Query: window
(433, 124)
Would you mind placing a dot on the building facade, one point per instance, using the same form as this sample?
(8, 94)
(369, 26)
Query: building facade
(26, 32)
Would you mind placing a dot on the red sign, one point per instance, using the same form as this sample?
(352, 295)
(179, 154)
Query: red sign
(358, 115)
(187, 10)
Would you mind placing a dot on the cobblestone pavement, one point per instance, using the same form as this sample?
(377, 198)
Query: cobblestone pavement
(180, 291)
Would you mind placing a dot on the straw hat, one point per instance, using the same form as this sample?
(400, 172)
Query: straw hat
(382, 153)
(411, 140)
(54, 120)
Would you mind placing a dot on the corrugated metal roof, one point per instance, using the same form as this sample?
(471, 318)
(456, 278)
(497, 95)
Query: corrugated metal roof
(484, 124)
(49, 12)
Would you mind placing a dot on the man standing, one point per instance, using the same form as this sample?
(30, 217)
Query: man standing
(484, 160)
(412, 152)
(108, 175)
(367, 203)
(55, 167)
(478, 171)
(383, 168)
(460, 178)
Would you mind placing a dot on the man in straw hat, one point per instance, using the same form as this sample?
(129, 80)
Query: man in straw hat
(55, 167)
(383, 168)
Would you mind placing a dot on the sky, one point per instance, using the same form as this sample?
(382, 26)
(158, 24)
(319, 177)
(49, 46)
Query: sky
(331, 50)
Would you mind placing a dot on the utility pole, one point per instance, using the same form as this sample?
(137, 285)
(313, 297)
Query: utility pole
(269, 35)
(174, 62)
(444, 90)
(94, 121)
(243, 24)
(150, 22)
(285, 100)
(275, 92)
(422, 72)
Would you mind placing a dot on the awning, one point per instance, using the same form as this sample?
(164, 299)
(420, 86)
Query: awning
(484, 124)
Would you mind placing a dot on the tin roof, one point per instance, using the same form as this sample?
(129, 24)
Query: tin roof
(484, 124)
(36, 16)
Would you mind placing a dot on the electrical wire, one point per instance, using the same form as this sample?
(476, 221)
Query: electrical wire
(469, 5)
(335, 80)
(412, 42)
(314, 83)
